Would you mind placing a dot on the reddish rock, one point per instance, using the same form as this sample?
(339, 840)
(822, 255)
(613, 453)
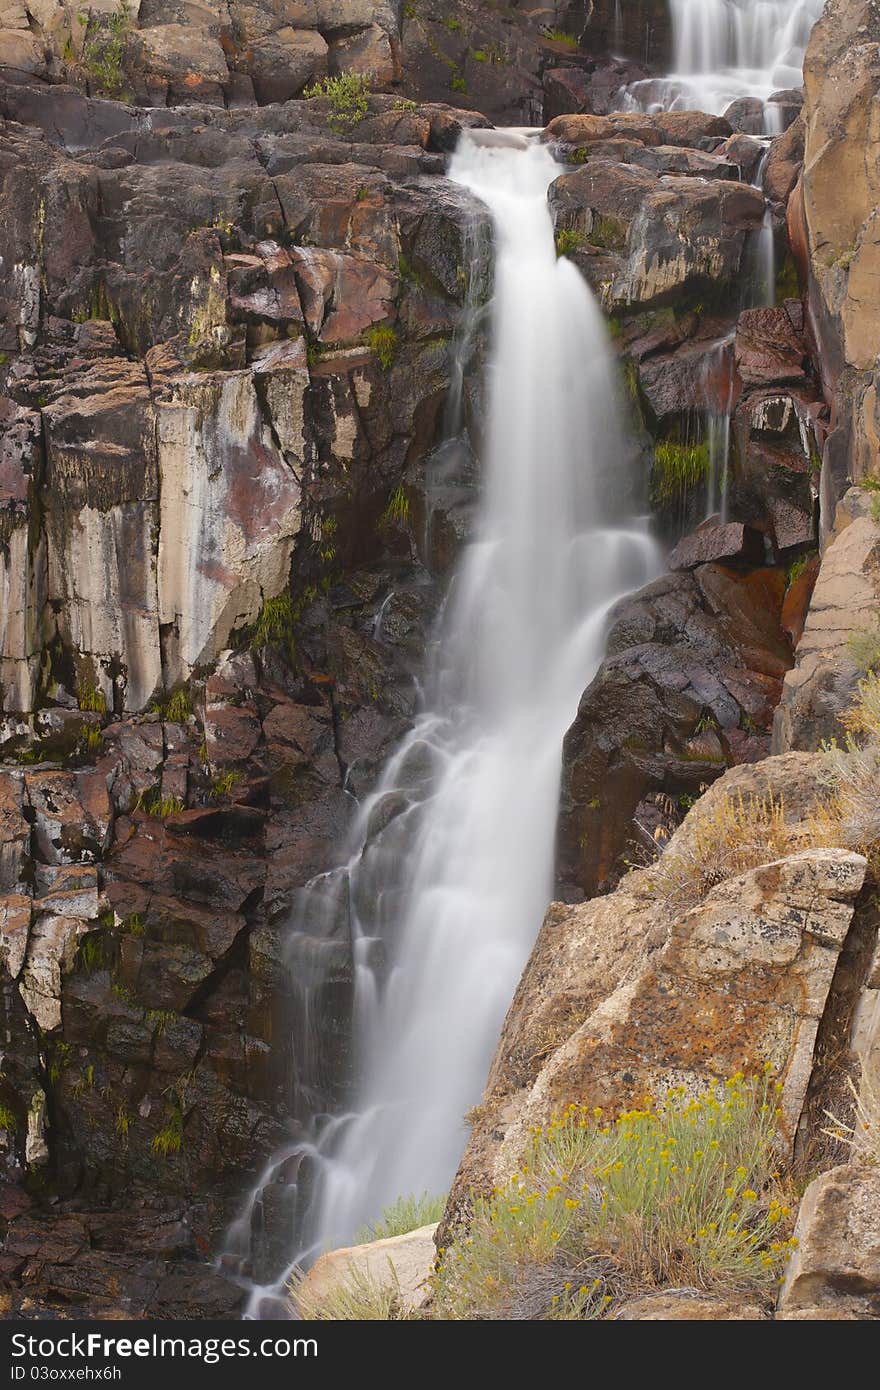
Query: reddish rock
(768, 348)
(797, 600)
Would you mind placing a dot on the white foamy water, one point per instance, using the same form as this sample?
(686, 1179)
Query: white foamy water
(451, 861)
(727, 49)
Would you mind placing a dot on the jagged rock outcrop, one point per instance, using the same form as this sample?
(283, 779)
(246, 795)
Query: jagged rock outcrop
(691, 678)
(153, 356)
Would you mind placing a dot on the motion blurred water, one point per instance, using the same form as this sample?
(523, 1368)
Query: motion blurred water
(451, 860)
(727, 49)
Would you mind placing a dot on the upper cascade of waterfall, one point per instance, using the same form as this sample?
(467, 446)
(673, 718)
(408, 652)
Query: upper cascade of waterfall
(724, 50)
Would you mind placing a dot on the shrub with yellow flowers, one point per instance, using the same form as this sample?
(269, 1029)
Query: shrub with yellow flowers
(683, 1192)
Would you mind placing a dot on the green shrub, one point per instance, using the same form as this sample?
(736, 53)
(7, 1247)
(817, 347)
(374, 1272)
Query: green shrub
(8, 1122)
(384, 342)
(404, 1215)
(222, 784)
(347, 94)
(568, 240)
(678, 1194)
(104, 43)
(796, 569)
(91, 953)
(678, 468)
(178, 707)
(91, 738)
(875, 508)
(275, 623)
(457, 83)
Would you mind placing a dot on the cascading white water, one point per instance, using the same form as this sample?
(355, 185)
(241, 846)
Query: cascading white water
(452, 856)
(522, 637)
(727, 49)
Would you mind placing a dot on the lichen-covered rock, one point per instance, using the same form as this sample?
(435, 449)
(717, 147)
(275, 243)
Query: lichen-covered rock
(835, 1271)
(624, 997)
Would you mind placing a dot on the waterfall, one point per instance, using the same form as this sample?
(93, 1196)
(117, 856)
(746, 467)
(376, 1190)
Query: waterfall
(451, 862)
(727, 49)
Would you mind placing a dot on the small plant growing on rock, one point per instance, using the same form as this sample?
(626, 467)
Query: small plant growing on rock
(348, 96)
(90, 698)
(275, 624)
(678, 468)
(861, 1133)
(170, 1137)
(384, 342)
(402, 1216)
(222, 784)
(104, 44)
(561, 36)
(91, 953)
(568, 241)
(397, 511)
(864, 648)
(155, 804)
(177, 708)
(8, 1122)
(123, 1122)
(733, 834)
(359, 1298)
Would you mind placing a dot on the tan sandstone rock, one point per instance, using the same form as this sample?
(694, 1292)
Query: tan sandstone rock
(836, 1269)
(845, 603)
(621, 999)
(404, 1260)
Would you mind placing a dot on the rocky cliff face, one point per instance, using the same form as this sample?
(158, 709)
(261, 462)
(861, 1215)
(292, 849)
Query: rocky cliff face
(227, 351)
(228, 342)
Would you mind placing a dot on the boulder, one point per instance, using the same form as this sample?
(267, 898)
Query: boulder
(714, 541)
(282, 63)
(783, 164)
(404, 1262)
(835, 1270)
(769, 348)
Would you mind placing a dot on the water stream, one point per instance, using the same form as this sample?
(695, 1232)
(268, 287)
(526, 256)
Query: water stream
(450, 863)
(727, 49)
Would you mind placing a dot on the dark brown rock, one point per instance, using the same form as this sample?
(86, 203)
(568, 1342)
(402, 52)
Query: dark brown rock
(725, 543)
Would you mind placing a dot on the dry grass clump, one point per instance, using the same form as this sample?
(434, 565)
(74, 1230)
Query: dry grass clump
(862, 1132)
(732, 834)
(684, 1193)
(359, 1298)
